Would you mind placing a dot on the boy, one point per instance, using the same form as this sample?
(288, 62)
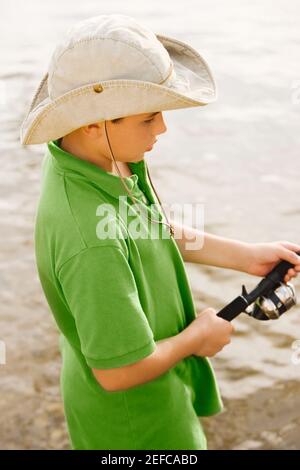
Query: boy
(135, 373)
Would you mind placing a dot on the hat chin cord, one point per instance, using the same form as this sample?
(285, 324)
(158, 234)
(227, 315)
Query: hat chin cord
(134, 199)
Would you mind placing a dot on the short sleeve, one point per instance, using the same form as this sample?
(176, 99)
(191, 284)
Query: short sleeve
(101, 292)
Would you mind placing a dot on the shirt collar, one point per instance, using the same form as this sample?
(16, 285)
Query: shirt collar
(111, 184)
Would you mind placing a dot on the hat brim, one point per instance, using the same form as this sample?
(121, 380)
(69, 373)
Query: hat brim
(192, 86)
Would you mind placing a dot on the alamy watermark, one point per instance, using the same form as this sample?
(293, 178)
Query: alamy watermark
(145, 222)
(296, 91)
(2, 353)
(3, 94)
(295, 357)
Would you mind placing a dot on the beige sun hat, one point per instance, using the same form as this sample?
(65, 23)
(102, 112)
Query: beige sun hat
(111, 66)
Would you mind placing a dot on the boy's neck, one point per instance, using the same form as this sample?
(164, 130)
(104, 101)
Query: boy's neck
(104, 164)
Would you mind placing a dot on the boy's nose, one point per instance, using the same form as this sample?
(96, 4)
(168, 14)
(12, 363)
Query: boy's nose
(161, 126)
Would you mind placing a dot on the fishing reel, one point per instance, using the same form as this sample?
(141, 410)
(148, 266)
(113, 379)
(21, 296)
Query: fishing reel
(273, 305)
(268, 300)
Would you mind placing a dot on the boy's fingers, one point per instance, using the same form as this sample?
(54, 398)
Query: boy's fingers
(290, 274)
(291, 246)
(291, 257)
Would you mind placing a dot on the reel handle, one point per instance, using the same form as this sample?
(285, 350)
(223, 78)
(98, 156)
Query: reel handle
(233, 309)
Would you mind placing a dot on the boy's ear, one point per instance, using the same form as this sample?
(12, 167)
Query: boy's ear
(94, 128)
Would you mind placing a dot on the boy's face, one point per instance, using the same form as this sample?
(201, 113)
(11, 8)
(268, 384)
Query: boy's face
(129, 138)
(135, 135)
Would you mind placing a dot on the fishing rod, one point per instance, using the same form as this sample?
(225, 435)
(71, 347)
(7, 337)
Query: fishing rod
(268, 300)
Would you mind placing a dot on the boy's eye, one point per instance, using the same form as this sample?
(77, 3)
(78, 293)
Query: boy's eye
(149, 120)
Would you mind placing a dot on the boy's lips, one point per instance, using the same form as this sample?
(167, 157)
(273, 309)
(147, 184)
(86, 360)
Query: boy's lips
(150, 146)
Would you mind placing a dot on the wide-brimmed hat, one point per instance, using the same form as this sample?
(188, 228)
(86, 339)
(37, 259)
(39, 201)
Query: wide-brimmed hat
(111, 66)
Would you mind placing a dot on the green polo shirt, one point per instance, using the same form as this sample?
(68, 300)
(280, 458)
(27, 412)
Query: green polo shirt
(113, 293)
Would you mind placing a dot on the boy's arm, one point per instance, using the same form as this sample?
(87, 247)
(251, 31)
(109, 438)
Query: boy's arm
(200, 247)
(206, 335)
(168, 352)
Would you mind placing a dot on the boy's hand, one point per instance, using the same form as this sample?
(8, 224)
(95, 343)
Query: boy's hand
(208, 333)
(263, 257)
